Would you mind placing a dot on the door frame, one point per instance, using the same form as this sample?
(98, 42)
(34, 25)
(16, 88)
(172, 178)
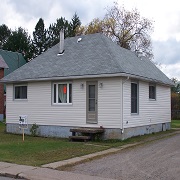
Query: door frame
(88, 120)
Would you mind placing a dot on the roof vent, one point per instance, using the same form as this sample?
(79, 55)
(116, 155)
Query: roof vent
(79, 39)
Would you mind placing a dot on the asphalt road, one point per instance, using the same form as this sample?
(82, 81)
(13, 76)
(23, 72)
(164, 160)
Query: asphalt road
(159, 160)
(5, 178)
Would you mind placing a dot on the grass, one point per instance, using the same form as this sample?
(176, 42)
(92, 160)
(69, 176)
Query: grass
(37, 151)
(175, 123)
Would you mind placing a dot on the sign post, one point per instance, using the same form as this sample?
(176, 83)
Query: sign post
(23, 123)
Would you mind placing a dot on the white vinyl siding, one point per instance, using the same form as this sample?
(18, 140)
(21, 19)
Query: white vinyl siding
(109, 103)
(40, 110)
(150, 112)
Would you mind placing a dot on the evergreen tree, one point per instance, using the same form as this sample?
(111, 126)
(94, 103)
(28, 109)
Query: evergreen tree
(19, 41)
(5, 32)
(74, 24)
(40, 40)
(54, 31)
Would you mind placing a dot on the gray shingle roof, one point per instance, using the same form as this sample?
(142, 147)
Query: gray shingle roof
(94, 55)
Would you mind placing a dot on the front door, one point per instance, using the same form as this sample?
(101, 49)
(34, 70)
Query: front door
(91, 100)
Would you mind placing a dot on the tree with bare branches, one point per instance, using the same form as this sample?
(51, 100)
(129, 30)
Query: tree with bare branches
(127, 28)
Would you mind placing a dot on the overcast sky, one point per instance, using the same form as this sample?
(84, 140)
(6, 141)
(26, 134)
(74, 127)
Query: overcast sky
(164, 13)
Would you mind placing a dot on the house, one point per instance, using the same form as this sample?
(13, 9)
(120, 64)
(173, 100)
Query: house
(89, 81)
(13, 60)
(3, 66)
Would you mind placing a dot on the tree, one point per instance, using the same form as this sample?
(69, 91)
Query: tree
(176, 87)
(40, 40)
(95, 26)
(5, 32)
(54, 31)
(74, 25)
(127, 28)
(175, 99)
(19, 41)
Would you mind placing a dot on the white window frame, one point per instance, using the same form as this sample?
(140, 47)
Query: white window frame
(20, 99)
(58, 83)
(154, 92)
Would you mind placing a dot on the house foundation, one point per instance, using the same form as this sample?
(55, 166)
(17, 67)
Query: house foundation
(109, 133)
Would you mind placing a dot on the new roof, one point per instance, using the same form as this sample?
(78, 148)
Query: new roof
(93, 56)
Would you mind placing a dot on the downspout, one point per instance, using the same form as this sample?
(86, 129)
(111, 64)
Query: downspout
(122, 131)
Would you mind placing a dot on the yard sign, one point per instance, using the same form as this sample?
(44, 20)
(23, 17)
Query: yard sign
(23, 123)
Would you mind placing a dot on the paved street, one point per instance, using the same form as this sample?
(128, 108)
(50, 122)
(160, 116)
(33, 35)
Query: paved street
(5, 178)
(152, 161)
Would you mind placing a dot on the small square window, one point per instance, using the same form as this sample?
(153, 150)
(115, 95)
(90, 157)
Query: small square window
(20, 92)
(152, 92)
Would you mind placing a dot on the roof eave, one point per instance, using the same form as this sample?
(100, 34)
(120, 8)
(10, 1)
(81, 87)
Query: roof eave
(87, 77)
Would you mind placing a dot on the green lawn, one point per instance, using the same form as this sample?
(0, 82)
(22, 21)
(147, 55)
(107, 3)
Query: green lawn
(175, 123)
(36, 151)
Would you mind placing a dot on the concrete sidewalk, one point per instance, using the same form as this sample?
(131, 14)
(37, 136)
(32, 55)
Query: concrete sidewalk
(37, 173)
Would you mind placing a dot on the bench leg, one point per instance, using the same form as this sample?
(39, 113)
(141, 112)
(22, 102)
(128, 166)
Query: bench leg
(73, 133)
(92, 137)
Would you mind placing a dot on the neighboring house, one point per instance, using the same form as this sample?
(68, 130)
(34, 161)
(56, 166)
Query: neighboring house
(13, 61)
(89, 81)
(3, 66)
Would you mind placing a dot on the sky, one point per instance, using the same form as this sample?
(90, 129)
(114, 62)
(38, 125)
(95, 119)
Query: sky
(164, 13)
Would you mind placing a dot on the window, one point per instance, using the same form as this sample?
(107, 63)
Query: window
(62, 93)
(152, 92)
(134, 97)
(20, 92)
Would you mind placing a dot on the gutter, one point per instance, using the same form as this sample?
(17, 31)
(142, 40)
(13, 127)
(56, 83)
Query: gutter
(87, 76)
(122, 109)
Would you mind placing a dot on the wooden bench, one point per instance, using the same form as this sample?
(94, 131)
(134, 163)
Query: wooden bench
(89, 133)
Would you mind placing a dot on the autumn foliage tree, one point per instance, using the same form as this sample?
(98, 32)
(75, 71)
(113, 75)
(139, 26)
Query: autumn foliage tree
(175, 99)
(127, 28)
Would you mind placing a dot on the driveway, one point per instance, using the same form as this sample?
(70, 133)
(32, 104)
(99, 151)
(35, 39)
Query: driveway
(153, 161)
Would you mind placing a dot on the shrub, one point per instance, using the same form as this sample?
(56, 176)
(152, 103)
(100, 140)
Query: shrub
(34, 129)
